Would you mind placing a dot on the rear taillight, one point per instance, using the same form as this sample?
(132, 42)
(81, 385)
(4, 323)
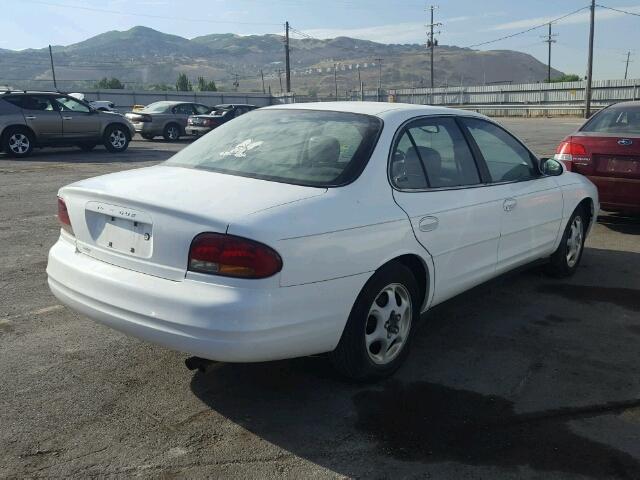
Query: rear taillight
(572, 152)
(231, 256)
(63, 216)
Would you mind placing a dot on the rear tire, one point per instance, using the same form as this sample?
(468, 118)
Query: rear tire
(379, 330)
(116, 139)
(18, 142)
(171, 132)
(565, 260)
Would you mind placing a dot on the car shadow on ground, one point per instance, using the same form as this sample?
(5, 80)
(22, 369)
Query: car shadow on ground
(497, 378)
(629, 224)
(99, 155)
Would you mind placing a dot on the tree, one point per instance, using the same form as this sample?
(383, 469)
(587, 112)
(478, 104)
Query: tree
(566, 77)
(183, 84)
(205, 86)
(109, 83)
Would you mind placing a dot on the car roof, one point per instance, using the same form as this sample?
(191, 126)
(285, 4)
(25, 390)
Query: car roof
(378, 109)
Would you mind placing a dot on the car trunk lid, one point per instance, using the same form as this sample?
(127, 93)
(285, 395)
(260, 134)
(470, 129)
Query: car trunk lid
(145, 219)
(608, 155)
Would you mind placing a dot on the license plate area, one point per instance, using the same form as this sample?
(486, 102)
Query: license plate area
(120, 229)
(625, 165)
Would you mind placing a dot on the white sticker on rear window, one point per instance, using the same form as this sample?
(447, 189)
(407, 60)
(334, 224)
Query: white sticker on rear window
(242, 148)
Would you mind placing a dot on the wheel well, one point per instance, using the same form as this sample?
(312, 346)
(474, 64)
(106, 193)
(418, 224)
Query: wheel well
(23, 127)
(587, 206)
(419, 270)
(173, 122)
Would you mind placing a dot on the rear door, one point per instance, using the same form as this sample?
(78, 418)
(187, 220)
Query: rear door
(181, 113)
(531, 203)
(454, 216)
(42, 116)
(78, 120)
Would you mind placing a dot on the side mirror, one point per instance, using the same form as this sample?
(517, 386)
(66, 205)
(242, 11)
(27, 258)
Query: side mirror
(551, 167)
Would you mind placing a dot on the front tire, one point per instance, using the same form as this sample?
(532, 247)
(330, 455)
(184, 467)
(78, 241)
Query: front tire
(116, 139)
(379, 330)
(18, 142)
(171, 132)
(565, 260)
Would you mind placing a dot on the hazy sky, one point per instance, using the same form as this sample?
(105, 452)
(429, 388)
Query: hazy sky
(35, 23)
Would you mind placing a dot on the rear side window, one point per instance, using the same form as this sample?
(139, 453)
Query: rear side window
(14, 100)
(38, 103)
(433, 153)
(506, 158)
(621, 120)
(201, 109)
(303, 147)
(183, 109)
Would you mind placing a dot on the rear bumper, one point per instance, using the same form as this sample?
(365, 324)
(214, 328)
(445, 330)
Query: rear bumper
(618, 194)
(212, 321)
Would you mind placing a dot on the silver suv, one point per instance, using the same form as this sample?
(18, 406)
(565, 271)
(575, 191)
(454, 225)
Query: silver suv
(45, 119)
(166, 118)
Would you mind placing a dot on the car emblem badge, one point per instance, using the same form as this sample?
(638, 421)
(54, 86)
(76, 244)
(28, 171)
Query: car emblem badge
(625, 141)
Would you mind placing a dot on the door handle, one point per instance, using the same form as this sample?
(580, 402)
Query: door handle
(509, 204)
(67, 118)
(30, 117)
(428, 224)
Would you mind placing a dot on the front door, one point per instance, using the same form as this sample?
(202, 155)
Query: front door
(531, 203)
(78, 120)
(454, 216)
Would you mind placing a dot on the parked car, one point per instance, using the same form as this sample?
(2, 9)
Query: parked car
(166, 118)
(43, 119)
(606, 149)
(200, 124)
(101, 105)
(310, 228)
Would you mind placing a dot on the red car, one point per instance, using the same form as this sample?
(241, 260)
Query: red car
(606, 149)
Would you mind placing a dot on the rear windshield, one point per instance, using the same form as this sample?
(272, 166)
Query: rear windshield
(621, 119)
(303, 147)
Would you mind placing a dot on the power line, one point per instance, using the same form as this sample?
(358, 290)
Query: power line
(618, 10)
(528, 29)
(147, 15)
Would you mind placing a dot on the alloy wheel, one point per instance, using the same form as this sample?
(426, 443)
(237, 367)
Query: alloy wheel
(19, 143)
(574, 241)
(118, 139)
(172, 133)
(388, 324)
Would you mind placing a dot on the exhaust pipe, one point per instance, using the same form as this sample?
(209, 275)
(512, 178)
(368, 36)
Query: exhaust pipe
(197, 363)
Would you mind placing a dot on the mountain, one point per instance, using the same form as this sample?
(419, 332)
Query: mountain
(143, 57)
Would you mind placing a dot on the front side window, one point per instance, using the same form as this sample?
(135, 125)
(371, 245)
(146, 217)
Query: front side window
(68, 104)
(506, 158)
(303, 147)
(622, 120)
(432, 152)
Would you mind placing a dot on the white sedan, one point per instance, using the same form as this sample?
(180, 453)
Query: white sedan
(301, 229)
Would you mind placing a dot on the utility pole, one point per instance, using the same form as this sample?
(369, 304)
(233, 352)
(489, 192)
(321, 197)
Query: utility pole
(286, 57)
(335, 78)
(262, 77)
(236, 83)
(626, 68)
(280, 78)
(549, 39)
(53, 70)
(432, 42)
(360, 84)
(587, 90)
(379, 60)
